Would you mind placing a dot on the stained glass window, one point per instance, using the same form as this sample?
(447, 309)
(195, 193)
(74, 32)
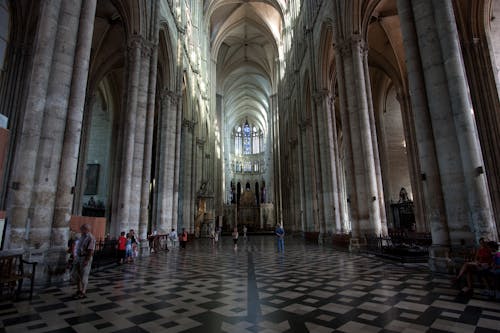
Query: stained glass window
(237, 141)
(256, 141)
(247, 139)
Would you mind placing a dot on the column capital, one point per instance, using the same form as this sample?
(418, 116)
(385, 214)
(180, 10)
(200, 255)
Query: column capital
(331, 100)
(188, 124)
(304, 124)
(321, 95)
(355, 42)
(169, 95)
(200, 142)
(135, 41)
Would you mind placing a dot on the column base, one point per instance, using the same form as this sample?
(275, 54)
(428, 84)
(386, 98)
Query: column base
(321, 238)
(144, 250)
(52, 265)
(439, 259)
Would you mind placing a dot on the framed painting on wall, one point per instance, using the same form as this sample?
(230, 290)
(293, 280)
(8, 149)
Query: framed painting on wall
(91, 179)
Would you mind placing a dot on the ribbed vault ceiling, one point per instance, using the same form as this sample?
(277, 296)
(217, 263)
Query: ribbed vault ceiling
(245, 36)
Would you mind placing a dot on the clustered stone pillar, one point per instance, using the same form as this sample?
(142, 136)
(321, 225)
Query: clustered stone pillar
(455, 191)
(367, 208)
(308, 174)
(177, 163)
(150, 116)
(431, 183)
(140, 132)
(187, 175)
(461, 107)
(478, 43)
(167, 156)
(274, 193)
(125, 188)
(71, 145)
(325, 143)
(50, 133)
(23, 178)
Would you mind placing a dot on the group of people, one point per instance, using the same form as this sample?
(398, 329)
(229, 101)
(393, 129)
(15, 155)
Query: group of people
(128, 247)
(81, 249)
(279, 232)
(485, 266)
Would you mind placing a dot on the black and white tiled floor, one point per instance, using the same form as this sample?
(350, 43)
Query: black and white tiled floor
(256, 289)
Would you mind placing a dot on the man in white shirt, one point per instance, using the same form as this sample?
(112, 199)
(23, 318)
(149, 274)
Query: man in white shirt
(83, 261)
(173, 237)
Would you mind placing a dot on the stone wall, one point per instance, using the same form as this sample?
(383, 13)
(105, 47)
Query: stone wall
(98, 149)
(395, 144)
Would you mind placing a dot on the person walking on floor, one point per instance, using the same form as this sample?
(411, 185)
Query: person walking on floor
(280, 234)
(235, 238)
(83, 261)
(122, 247)
(184, 238)
(173, 238)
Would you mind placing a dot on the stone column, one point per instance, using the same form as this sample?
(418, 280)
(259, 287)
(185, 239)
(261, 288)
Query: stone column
(310, 171)
(274, 188)
(177, 171)
(48, 159)
(433, 199)
(480, 210)
(150, 117)
(127, 158)
(374, 140)
(139, 136)
(23, 175)
(351, 195)
(72, 135)
(448, 139)
(337, 197)
(167, 158)
(307, 175)
(366, 127)
(327, 167)
(366, 210)
(484, 83)
(187, 175)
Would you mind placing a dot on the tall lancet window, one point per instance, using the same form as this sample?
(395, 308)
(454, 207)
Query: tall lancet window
(256, 140)
(247, 139)
(237, 141)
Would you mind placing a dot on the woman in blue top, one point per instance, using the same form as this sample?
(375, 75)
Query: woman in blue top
(280, 234)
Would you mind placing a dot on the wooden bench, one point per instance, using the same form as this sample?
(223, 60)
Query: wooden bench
(13, 272)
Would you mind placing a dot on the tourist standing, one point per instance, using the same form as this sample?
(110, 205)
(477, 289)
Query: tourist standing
(184, 238)
(280, 234)
(128, 249)
(135, 243)
(216, 236)
(83, 261)
(172, 236)
(235, 238)
(122, 247)
(245, 232)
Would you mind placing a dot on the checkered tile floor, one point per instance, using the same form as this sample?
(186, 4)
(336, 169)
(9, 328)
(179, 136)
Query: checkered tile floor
(256, 289)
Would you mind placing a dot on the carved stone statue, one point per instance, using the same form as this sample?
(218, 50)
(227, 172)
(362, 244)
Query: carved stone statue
(403, 195)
